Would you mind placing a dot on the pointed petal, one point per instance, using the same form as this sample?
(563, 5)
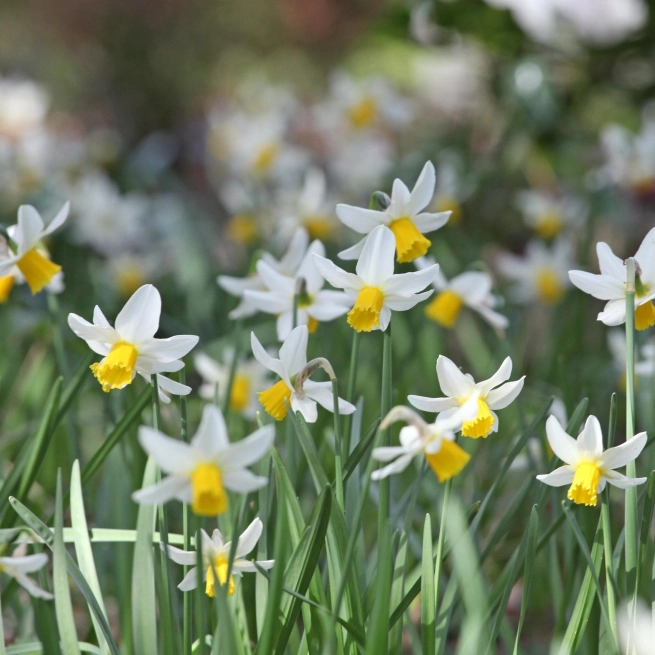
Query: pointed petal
(609, 263)
(270, 302)
(352, 253)
(598, 286)
(58, 220)
(621, 481)
(25, 563)
(376, 262)
(497, 378)
(387, 453)
(395, 467)
(614, 313)
(505, 394)
(433, 405)
(243, 481)
(179, 556)
(32, 588)
(590, 440)
(249, 538)
(321, 392)
(139, 318)
(429, 222)
(190, 580)
(211, 438)
(359, 219)
(264, 358)
(619, 456)
(408, 283)
(172, 455)
(168, 350)
(563, 444)
(90, 332)
(248, 450)
(559, 477)
(646, 257)
(423, 190)
(29, 229)
(452, 381)
(293, 353)
(160, 493)
(336, 276)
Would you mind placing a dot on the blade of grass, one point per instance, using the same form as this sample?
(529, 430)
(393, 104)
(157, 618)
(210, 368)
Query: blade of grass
(428, 610)
(377, 632)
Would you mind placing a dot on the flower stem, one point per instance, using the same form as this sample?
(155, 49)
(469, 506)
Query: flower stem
(338, 473)
(184, 430)
(385, 405)
(350, 393)
(609, 574)
(440, 541)
(233, 368)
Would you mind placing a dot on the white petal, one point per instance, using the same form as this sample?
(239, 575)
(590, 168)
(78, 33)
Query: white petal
(306, 406)
(429, 222)
(32, 588)
(294, 254)
(160, 493)
(139, 318)
(400, 197)
(29, 229)
(387, 453)
(559, 477)
(171, 386)
(609, 263)
(172, 455)
(590, 440)
(236, 286)
(58, 220)
(25, 563)
(408, 283)
(452, 381)
(329, 305)
(614, 313)
(563, 444)
(619, 456)
(264, 358)
(376, 262)
(505, 394)
(249, 538)
(99, 318)
(249, 567)
(274, 280)
(167, 350)
(352, 253)
(293, 353)
(90, 332)
(190, 580)
(336, 276)
(621, 481)
(269, 302)
(646, 257)
(308, 271)
(401, 303)
(423, 190)
(243, 481)
(321, 392)
(502, 374)
(359, 219)
(433, 405)
(179, 556)
(248, 450)
(211, 437)
(472, 287)
(598, 286)
(395, 467)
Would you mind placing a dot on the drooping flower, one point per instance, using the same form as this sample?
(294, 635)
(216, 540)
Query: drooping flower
(19, 564)
(404, 217)
(541, 274)
(587, 468)
(436, 441)
(216, 556)
(459, 388)
(611, 284)
(131, 347)
(548, 213)
(314, 304)
(27, 234)
(375, 290)
(294, 388)
(471, 289)
(201, 472)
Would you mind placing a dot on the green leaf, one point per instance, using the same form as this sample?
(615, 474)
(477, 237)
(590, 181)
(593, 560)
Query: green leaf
(378, 627)
(63, 604)
(428, 609)
(360, 450)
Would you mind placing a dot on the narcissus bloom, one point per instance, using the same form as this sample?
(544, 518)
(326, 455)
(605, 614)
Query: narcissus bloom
(131, 347)
(18, 565)
(548, 214)
(491, 395)
(30, 230)
(375, 290)
(314, 304)
(295, 388)
(435, 441)
(610, 285)
(586, 467)
(471, 289)
(216, 556)
(201, 472)
(404, 217)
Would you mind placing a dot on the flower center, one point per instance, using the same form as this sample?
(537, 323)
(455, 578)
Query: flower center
(549, 287)
(6, 285)
(449, 204)
(243, 229)
(481, 425)
(645, 316)
(363, 113)
(37, 269)
(319, 227)
(449, 461)
(116, 370)
(584, 490)
(365, 315)
(130, 277)
(550, 223)
(273, 399)
(312, 325)
(265, 157)
(240, 394)
(209, 495)
(445, 308)
(220, 566)
(410, 243)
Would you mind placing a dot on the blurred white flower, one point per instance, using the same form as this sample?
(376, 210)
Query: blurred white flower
(644, 356)
(636, 629)
(453, 186)
(548, 214)
(18, 565)
(23, 106)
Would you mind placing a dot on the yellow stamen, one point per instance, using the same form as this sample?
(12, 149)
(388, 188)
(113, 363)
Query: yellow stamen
(240, 394)
(445, 308)
(129, 278)
(209, 495)
(410, 243)
(549, 287)
(363, 113)
(319, 227)
(37, 269)
(584, 490)
(273, 399)
(481, 425)
(312, 325)
(220, 566)
(266, 157)
(243, 229)
(449, 461)
(449, 204)
(365, 315)
(117, 369)
(6, 285)
(645, 316)
(550, 224)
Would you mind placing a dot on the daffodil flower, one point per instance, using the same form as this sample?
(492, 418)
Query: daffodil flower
(436, 441)
(610, 285)
(201, 472)
(404, 217)
(131, 347)
(548, 214)
(587, 468)
(375, 290)
(27, 234)
(18, 565)
(491, 395)
(216, 556)
(471, 289)
(294, 388)
(314, 304)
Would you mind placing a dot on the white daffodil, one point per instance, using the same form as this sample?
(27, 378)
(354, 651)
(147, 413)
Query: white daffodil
(471, 289)
(404, 217)
(200, 472)
(295, 388)
(314, 304)
(610, 285)
(131, 347)
(436, 441)
(287, 265)
(459, 388)
(23, 106)
(548, 213)
(27, 235)
(586, 467)
(216, 556)
(18, 565)
(248, 378)
(644, 356)
(375, 290)
(541, 274)
(636, 629)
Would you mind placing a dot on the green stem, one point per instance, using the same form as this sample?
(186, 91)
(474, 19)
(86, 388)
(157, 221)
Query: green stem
(338, 471)
(184, 429)
(441, 539)
(385, 406)
(609, 574)
(233, 368)
(350, 394)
